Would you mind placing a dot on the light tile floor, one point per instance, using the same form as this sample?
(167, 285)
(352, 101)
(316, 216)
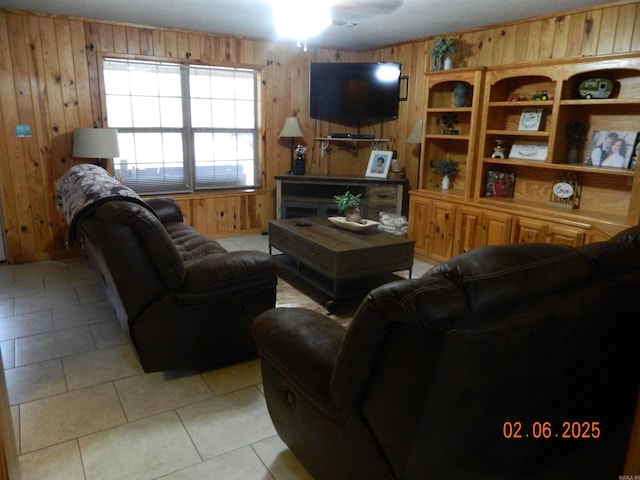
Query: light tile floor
(83, 408)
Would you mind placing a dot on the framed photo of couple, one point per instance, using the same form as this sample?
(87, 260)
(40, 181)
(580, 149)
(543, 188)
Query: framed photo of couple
(609, 148)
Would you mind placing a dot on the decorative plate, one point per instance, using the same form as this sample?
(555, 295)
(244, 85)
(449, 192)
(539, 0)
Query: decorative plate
(353, 226)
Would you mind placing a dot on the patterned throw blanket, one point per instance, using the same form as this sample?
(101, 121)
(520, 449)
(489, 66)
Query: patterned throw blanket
(83, 188)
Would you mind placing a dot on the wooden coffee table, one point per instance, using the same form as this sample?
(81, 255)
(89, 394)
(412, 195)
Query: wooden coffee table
(339, 262)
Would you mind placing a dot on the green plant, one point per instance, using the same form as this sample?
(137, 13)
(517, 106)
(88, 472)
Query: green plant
(347, 201)
(443, 47)
(447, 167)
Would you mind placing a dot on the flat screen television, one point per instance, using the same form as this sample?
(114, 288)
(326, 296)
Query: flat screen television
(354, 91)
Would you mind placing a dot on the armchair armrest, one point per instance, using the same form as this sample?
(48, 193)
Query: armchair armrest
(166, 208)
(302, 345)
(226, 271)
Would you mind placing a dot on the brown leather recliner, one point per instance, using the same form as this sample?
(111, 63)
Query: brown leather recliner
(183, 299)
(493, 365)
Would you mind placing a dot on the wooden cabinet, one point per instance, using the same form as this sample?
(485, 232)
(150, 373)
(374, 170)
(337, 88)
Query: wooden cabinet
(609, 198)
(527, 230)
(441, 230)
(477, 228)
(313, 195)
(536, 155)
(419, 217)
(450, 127)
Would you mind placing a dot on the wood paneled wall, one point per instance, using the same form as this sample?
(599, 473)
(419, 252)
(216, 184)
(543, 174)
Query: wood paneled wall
(49, 79)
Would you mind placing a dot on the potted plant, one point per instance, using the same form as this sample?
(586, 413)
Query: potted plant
(349, 203)
(575, 134)
(442, 49)
(447, 168)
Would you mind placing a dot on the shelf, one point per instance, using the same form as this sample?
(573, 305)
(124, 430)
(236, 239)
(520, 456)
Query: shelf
(327, 140)
(600, 102)
(449, 109)
(522, 103)
(439, 136)
(340, 139)
(520, 133)
(622, 172)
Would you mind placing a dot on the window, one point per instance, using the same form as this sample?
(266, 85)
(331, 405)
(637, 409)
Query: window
(182, 128)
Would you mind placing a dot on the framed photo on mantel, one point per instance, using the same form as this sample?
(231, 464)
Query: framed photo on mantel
(379, 163)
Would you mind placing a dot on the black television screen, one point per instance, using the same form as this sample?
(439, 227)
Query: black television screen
(354, 91)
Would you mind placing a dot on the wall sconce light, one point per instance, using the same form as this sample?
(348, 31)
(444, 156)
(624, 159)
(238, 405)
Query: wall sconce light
(98, 143)
(291, 129)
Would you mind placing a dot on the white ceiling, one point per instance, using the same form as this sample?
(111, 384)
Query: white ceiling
(378, 22)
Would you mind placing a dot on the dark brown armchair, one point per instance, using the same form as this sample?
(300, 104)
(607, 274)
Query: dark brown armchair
(493, 365)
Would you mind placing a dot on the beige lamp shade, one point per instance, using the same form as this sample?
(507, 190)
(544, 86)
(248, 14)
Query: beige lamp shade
(95, 143)
(416, 134)
(291, 128)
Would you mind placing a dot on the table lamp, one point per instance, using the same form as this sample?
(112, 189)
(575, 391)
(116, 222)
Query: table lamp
(98, 143)
(291, 129)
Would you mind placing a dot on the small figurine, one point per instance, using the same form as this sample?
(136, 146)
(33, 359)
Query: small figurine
(499, 149)
(541, 95)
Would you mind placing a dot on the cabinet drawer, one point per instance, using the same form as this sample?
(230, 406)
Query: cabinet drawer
(382, 193)
(311, 255)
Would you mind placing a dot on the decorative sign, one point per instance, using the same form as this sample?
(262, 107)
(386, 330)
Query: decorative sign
(529, 151)
(565, 190)
(530, 119)
(23, 131)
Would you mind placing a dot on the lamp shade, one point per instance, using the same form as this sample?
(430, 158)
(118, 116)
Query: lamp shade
(95, 143)
(291, 128)
(416, 134)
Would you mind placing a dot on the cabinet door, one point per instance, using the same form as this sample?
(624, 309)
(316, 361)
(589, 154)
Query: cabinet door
(469, 232)
(476, 228)
(526, 230)
(496, 227)
(441, 228)
(565, 235)
(419, 216)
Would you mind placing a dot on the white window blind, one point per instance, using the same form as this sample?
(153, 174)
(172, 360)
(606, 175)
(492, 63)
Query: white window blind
(182, 128)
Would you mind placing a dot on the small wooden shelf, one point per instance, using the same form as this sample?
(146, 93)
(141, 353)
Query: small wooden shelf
(328, 139)
(341, 139)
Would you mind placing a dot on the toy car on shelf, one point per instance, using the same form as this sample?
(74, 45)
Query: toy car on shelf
(514, 97)
(595, 88)
(541, 95)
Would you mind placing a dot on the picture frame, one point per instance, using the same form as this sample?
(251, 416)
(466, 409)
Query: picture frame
(499, 184)
(530, 119)
(379, 163)
(529, 151)
(611, 148)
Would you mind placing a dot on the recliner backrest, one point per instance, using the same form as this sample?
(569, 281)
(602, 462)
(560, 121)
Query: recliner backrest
(437, 365)
(138, 254)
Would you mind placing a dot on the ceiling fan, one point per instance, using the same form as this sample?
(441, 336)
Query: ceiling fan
(351, 12)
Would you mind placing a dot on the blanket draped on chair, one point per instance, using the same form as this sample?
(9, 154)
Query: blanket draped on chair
(83, 188)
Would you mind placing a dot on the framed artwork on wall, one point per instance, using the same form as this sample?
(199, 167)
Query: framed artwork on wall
(379, 163)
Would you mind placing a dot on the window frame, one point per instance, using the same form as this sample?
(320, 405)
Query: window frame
(187, 130)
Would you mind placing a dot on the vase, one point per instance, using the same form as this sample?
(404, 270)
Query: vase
(446, 182)
(572, 154)
(460, 93)
(353, 215)
(436, 63)
(448, 63)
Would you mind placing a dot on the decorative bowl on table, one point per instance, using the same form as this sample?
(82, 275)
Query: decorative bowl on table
(364, 224)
